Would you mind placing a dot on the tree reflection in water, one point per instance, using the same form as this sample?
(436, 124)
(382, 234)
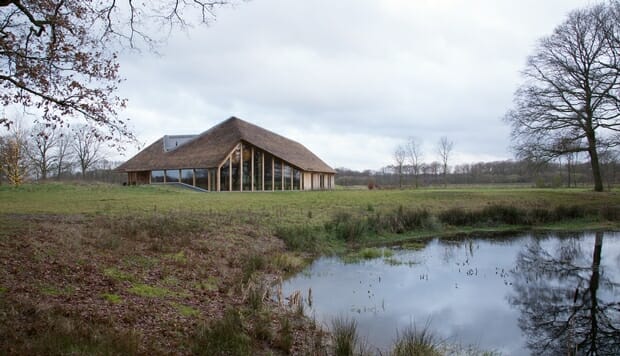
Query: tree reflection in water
(568, 304)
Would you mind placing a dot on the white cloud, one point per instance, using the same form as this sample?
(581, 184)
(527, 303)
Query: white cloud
(349, 79)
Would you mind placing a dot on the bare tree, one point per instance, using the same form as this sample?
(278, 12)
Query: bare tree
(414, 154)
(400, 154)
(444, 149)
(42, 144)
(60, 56)
(86, 147)
(63, 154)
(14, 155)
(569, 101)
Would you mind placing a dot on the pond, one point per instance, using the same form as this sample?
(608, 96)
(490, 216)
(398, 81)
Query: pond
(527, 294)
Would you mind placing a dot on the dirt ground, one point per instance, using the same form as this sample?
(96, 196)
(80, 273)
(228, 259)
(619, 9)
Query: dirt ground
(147, 285)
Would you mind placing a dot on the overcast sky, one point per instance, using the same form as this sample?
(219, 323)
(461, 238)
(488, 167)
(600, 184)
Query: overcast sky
(349, 79)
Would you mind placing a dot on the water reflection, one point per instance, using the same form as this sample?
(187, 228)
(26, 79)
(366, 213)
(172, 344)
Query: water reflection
(513, 295)
(567, 300)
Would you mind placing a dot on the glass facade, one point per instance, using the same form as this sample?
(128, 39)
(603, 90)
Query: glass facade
(187, 176)
(258, 170)
(172, 175)
(213, 179)
(247, 168)
(157, 176)
(268, 172)
(277, 175)
(236, 169)
(202, 178)
(225, 176)
(288, 175)
(296, 179)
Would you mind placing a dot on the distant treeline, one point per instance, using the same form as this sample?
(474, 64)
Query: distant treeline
(549, 174)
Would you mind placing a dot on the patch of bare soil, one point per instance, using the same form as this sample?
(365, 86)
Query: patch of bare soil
(147, 285)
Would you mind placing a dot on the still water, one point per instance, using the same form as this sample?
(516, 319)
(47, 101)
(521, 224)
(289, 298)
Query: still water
(527, 294)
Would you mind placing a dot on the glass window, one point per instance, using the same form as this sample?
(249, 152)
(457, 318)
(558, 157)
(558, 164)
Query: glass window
(224, 176)
(268, 172)
(172, 175)
(187, 176)
(247, 168)
(296, 179)
(258, 170)
(277, 174)
(236, 169)
(213, 179)
(157, 176)
(202, 179)
(287, 177)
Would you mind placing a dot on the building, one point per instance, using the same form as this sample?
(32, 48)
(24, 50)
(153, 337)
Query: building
(234, 155)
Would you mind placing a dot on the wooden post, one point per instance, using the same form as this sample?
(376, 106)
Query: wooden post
(273, 175)
(240, 167)
(208, 180)
(230, 174)
(218, 178)
(282, 174)
(263, 170)
(292, 178)
(252, 169)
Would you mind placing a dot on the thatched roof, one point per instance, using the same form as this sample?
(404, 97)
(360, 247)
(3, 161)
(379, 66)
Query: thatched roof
(210, 148)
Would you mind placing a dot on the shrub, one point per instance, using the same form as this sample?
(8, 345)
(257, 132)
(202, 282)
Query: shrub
(610, 213)
(300, 238)
(571, 212)
(457, 217)
(502, 214)
(346, 227)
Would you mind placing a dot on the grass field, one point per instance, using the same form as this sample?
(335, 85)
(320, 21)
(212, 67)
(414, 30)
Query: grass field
(101, 269)
(287, 207)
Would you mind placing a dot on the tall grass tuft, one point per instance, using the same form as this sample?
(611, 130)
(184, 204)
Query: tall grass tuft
(414, 341)
(300, 238)
(346, 227)
(344, 334)
(224, 337)
(251, 265)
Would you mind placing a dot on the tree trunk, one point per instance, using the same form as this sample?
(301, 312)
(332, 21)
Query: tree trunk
(596, 168)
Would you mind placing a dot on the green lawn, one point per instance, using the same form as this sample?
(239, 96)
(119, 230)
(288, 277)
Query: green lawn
(283, 207)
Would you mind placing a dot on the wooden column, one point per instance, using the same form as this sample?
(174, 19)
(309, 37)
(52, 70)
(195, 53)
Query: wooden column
(240, 167)
(292, 178)
(230, 174)
(252, 169)
(262, 176)
(273, 175)
(217, 181)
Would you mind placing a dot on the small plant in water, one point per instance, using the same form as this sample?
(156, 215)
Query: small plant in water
(414, 341)
(344, 334)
